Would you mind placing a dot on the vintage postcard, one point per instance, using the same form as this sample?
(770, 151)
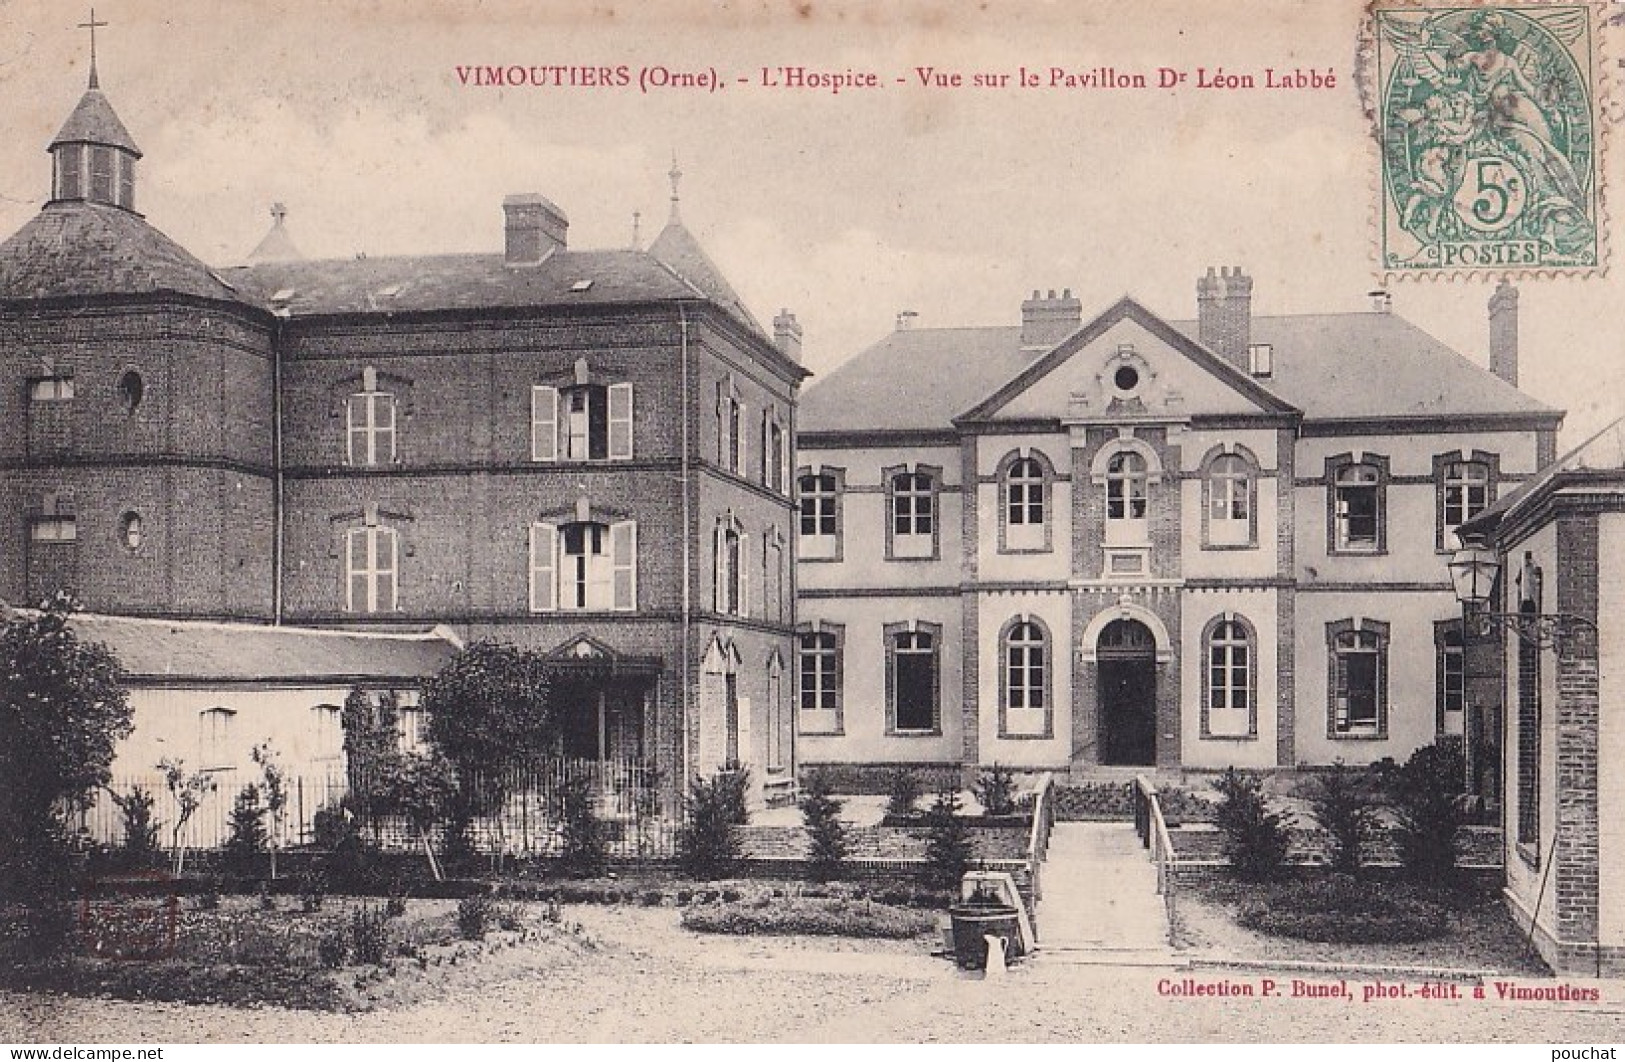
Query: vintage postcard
(810, 522)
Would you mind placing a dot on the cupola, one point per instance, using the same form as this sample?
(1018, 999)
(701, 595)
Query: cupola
(93, 157)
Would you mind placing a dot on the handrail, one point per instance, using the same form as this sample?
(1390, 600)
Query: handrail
(1153, 830)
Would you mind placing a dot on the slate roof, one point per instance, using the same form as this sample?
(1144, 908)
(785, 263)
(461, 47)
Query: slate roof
(158, 650)
(1330, 366)
(678, 249)
(78, 248)
(1600, 457)
(94, 122)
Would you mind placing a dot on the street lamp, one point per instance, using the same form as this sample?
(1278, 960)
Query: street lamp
(1474, 569)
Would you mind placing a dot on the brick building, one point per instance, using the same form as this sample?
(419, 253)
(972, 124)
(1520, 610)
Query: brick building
(586, 452)
(1559, 540)
(1136, 542)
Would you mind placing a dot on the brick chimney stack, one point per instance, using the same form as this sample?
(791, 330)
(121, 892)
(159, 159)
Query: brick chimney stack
(787, 335)
(1224, 314)
(1504, 333)
(1046, 320)
(534, 228)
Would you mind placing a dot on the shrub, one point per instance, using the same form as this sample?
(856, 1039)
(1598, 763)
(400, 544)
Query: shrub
(209, 898)
(1255, 838)
(947, 843)
(140, 845)
(267, 900)
(333, 947)
(996, 789)
(474, 916)
(1337, 909)
(395, 907)
(821, 813)
(1427, 794)
(312, 890)
(369, 935)
(248, 837)
(903, 791)
(845, 918)
(708, 845)
(1346, 812)
(586, 844)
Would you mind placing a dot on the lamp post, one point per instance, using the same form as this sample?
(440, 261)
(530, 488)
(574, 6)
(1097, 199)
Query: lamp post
(1474, 568)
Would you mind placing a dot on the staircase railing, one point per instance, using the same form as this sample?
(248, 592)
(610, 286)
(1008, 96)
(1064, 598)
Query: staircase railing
(1153, 830)
(1043, 823)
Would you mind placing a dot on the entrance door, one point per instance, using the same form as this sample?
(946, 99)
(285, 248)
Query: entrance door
(1127, 656)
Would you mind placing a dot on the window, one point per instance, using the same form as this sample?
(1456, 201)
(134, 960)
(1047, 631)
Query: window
(130, 531)
(126, 182)
(775, 713)
(1261, 359)
(70, 162)
(1466, 488)
(911, 497)
(1229, 483)
(912, 686)
(730, 428)
(51, 389)
(53, 529)
(131, 390)
(775, 453)
(1450, 684)
(411, 727)
(214, 738)
(1529, 724)
(1024, 701)
(819, 653)
(730, 568)
(819, 519)
(775, 594)
(327, 724)
(584, 422)
(584, 565)
(1358, 679)
(1125, 487)
(371, 555)
(1357, 517)
(371, 419)
(1025, 505)
(101, 174)
(1230, 702)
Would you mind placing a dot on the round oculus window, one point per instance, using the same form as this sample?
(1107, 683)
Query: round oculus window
(1126, 378)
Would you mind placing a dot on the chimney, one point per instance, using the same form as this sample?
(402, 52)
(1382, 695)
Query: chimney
(1504, 333)
(1046, 320)
(535, 228)
(1224, 314)
(787, 335)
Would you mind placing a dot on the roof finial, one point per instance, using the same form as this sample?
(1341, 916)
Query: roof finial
(637, 216)
(91, 26)
(676, 176)
(278, 214)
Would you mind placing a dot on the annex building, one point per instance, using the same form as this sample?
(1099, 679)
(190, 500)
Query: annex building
(584, 452)
(1075, 544)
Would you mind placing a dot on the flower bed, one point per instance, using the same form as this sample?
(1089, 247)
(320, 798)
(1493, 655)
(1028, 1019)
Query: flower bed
(1335, 909)
(810, 917)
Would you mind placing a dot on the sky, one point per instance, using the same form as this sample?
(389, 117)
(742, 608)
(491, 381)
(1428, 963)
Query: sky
(846, 208)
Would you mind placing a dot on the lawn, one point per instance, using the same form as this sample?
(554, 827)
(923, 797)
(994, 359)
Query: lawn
(1479, 933)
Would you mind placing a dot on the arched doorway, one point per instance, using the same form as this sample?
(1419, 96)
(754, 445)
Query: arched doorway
(1127, 659)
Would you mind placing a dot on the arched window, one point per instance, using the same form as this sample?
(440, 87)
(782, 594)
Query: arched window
(1230, 485)
(912, 519)
(1357, 505)
(1125, 486)
(819, 514)
(1358, 678)
(1230, 702)
(1024, 507)
(1025, 707)
(819, 675)
(730, 569)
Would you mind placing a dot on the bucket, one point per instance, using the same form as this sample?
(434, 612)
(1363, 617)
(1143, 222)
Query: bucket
(974, 923)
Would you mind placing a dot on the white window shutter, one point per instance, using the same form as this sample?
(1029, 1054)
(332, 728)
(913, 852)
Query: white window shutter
(719, 569)
(741, 444)
(784, 460)
(388, 580)
(544, 423)
(623, 548)
(620, 422)
(745, 757)
(355, 564)
(543, 567)
(743, 575)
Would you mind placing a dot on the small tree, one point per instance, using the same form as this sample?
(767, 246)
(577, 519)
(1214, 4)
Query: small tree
(947, 844)
(708, 844)
(1427, 793)
(585, 844)
(996, 789)
(821, 813)
(371, 751)
(420, 786)
(188, 791)
(63, 709)
(1344, 809)
(140, 843)
(903, 791)
(1256, 839)
(275, 788)
(247, 841)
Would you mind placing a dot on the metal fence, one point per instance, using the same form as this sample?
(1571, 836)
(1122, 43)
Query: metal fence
(525, 810)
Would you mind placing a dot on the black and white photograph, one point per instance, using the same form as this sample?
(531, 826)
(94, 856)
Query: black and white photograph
(811, 522)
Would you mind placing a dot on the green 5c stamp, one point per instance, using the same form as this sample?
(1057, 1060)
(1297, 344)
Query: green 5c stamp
(1488, 132)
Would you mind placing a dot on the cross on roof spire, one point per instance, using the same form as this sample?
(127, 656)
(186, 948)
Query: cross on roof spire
(676, 176)
(91, 26)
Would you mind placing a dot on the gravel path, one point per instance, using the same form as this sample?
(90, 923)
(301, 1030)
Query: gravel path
(650, 981)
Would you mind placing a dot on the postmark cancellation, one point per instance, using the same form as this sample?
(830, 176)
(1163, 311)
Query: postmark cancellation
(1487, 122)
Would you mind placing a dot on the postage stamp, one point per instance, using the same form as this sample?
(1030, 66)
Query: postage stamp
(1487, 121)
